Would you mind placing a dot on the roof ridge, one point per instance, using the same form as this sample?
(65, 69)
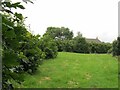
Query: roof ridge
(93, 40)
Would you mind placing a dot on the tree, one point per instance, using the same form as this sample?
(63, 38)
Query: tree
(80, 45)
(59, 33)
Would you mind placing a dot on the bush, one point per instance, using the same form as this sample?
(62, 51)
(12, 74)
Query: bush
(99, 47)
(48, 46)
(80, 45)
(59, 44)
(68, 45)
(20, 51)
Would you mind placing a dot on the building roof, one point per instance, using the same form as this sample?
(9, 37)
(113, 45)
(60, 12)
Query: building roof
(93, 40)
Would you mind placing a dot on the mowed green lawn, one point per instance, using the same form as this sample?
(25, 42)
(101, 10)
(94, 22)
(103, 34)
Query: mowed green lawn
(74, 70)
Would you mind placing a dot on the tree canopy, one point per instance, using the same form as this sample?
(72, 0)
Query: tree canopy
(59, 33)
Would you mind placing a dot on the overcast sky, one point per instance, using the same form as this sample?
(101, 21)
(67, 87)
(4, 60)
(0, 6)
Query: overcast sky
(93, 18)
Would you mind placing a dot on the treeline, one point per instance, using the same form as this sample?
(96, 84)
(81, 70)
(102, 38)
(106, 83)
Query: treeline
(66, 41)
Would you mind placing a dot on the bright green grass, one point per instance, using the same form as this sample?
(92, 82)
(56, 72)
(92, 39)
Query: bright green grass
(72, 70)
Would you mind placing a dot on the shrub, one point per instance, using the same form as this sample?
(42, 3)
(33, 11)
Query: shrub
(48, 46)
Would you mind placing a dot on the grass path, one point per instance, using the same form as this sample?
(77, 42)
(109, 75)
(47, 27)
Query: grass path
(72, 70)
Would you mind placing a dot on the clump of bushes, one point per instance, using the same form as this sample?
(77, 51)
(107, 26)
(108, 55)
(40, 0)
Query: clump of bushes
(48, 46)
(22, 51)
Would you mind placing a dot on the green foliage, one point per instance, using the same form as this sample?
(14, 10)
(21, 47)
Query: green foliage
(48, 46)
(7, 6)
(110, 51)
(12, 5)
(118, 40)
(68, 45)
(80, 45)
(32, 53)
(65, 41)
(64, 45)
(59, 44)
(59, 33)
(61, 36)
(115, 48)
(21, 50)
(99, 47)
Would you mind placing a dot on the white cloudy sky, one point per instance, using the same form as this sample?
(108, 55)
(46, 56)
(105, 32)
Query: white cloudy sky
(93, 18)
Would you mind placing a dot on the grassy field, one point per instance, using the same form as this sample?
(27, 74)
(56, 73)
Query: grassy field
(72, 70)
